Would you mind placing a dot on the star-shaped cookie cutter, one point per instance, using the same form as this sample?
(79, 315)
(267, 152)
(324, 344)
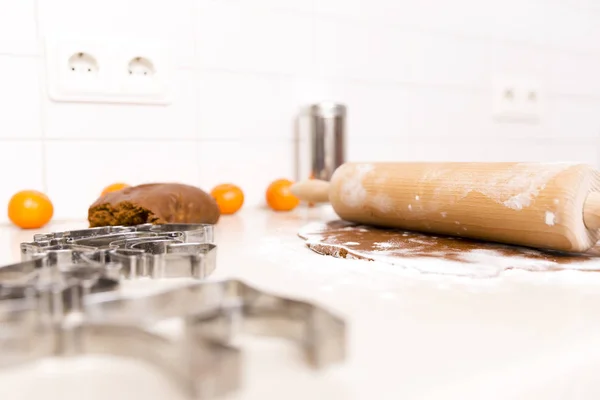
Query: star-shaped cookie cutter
(63, 299)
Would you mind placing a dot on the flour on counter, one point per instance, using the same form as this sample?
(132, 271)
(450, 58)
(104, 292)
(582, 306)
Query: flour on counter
(424, 242)
(433, 254)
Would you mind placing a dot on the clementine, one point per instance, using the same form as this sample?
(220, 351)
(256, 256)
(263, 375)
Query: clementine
(30, 209)
(114, 187)
(279, 196)
(229, 197)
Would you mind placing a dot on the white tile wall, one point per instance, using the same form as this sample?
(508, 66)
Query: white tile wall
(20, 98)
(77, 171)
(248, 162)
(235, 35)
(424, 149)
(241, 105)
(18, 31)
(171, 20)
(88, 121)
(416, 76)
(23, 166)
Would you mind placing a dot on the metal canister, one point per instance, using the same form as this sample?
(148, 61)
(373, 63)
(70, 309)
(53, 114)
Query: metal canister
(321, 141)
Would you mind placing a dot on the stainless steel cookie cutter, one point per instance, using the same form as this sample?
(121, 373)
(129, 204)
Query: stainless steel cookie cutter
(202, 367)
(154, 251)
(218, 309)
(63, 299)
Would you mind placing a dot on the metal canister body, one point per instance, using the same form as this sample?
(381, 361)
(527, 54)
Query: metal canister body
(321, 143)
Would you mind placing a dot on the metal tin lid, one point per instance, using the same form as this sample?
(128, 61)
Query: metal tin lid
(328, 109)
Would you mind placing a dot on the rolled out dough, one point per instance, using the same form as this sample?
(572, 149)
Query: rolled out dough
(434, 254)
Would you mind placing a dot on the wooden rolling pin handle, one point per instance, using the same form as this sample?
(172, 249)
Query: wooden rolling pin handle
(591, 211)
(312, 191)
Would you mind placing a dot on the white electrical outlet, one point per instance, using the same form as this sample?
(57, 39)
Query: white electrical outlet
(517, 99)
(108, 71)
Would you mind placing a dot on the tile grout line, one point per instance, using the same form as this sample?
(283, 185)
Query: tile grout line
(19, 55)
(41, 81)
(455, 35)
(196, 72)
(398, 83)
(148, 140)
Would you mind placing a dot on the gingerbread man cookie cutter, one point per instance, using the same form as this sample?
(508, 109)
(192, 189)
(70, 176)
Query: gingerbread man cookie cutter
(63, 299)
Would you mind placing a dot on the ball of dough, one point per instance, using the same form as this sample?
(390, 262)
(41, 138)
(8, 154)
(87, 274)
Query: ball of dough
(155, 203)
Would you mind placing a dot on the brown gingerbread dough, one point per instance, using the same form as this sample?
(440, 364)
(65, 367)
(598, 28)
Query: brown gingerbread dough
(155, 203)
(435, 254)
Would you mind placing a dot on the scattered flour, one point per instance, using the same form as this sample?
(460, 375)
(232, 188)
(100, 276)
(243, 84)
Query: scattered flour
(351, 243)
(383, 203)
(350, 228)
(424, 242)
(515, 187)
(417, 197)
(352, 191)
(442, 267)
(443, 214)
(483, 256)
(474, 263)
(550, 218)
(410, 207)
(389, 277)
(319, 227)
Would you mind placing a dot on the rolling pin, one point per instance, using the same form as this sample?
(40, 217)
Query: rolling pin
(554, 206)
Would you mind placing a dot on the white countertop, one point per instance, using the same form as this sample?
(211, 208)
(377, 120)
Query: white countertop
(411, 336)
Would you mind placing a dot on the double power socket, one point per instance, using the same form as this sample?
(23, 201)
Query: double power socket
(518, 99)
(108, 71)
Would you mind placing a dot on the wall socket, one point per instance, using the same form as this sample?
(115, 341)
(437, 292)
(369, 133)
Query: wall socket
(108, 71)
(517, 99)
